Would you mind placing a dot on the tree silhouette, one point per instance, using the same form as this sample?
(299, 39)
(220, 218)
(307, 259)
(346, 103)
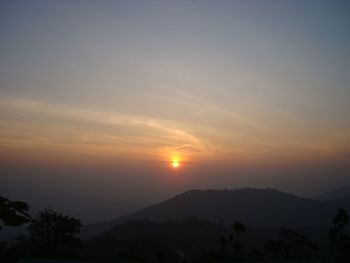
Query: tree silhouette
(298, 245)
(52, 235)
(233, 241)
(291, 245)
(13, 213)
(338, 239)
(238, 229)
(223, 244)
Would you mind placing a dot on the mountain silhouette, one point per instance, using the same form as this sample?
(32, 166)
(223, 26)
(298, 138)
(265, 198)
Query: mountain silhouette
(254, 207)
(336, 193)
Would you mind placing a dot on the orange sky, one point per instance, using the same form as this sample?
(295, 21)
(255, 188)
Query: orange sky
(234, 90)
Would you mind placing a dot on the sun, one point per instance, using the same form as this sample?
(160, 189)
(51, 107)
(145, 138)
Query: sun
(175, 163)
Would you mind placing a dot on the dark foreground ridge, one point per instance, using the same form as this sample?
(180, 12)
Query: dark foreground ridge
(198, 225)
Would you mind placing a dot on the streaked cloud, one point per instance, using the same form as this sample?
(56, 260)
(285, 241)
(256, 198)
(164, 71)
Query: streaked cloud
(33, 123)
(43, 125)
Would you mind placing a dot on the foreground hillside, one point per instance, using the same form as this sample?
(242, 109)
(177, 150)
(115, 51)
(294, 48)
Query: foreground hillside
(201, 240)
(254, 207)
(144, 239)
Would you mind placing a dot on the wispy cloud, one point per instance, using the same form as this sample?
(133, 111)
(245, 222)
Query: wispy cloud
(220, 135)
(51, 125)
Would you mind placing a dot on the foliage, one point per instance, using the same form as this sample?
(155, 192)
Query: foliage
(338, 239)
(239, 228)
(223, 243)
(234, 238)
(52, 235)
(291, 245)
(233, 241)
(13, 213)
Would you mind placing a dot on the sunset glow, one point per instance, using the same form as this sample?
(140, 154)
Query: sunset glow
(137, 100)
(175, 164)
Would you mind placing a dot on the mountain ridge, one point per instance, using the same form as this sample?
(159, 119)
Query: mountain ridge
(336, 193)
(256, 207)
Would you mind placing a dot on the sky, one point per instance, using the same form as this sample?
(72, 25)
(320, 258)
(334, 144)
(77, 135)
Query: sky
(98, 97)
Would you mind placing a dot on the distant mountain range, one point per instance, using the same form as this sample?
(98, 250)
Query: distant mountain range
(337, 193)
(253, 207)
